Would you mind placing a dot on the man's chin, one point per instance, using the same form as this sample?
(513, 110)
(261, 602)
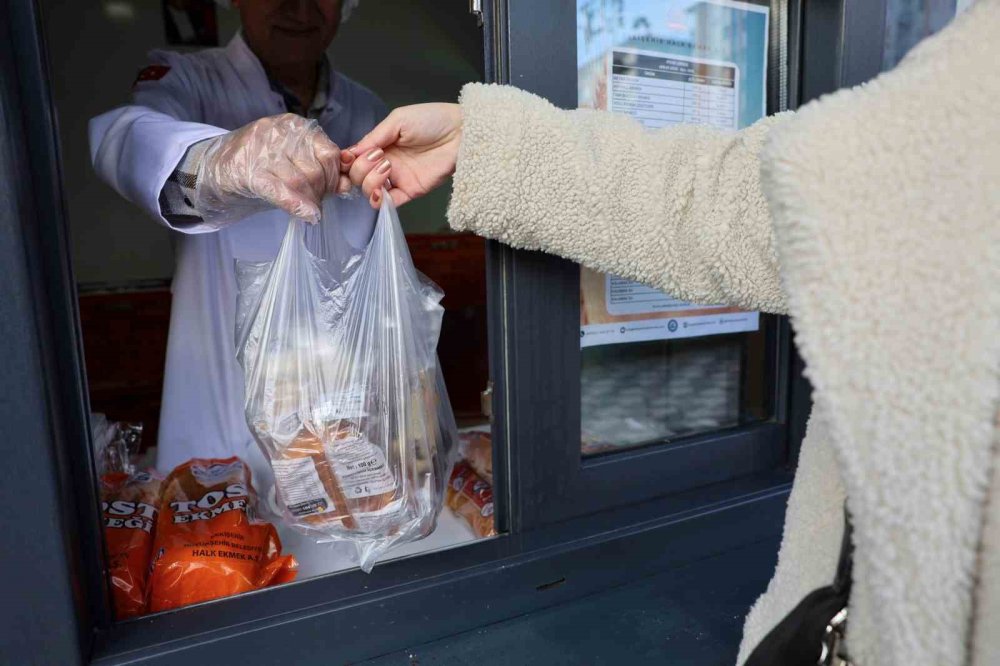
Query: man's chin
(310, 33)
(290, 52)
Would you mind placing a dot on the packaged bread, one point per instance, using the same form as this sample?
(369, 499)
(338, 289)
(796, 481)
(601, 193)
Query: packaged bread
(129, 504)
(343, 390)
(345, 480)
(477, 448)
(471, 497)
(209, 542)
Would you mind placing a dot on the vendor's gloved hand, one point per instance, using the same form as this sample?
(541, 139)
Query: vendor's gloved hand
(281, 161)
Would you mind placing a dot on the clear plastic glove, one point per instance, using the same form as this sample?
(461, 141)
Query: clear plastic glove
(284, 162)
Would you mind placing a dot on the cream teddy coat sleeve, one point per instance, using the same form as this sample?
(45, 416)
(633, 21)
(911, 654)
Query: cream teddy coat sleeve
(883, 212)
(679, 208)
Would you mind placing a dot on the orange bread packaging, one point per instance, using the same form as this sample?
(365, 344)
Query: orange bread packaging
(209, 542)
(129, 505)
(471, 496)
(477, 450)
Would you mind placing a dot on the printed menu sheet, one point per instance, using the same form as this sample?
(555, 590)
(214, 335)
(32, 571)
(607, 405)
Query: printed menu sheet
(662, 90)
(698, 63)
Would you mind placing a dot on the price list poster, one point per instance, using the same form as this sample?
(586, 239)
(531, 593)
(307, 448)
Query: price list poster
(664, 63)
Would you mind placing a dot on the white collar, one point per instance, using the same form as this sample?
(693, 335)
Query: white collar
(250, 69)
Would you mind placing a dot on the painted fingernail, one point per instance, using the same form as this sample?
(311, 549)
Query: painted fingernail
(383, 167)
(376, 196)
(375, 154)
(346, 156)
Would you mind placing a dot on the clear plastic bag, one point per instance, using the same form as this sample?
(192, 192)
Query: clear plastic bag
(343, 388)
(116, 443)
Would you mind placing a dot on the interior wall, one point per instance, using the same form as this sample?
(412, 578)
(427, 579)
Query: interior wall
(406, 51)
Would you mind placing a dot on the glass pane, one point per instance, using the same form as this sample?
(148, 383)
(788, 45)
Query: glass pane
(909, 21)
(130, 272)
(648, 392)
(653, 367)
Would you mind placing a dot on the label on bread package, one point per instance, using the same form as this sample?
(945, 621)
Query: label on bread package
(361, 467)
(466, 485)
(349, 404)
(302, 491)
(480, 493)
(210, 472)
(459, 474)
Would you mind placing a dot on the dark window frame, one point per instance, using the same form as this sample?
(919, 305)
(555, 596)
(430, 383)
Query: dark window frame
(62, 614)
(541, 309)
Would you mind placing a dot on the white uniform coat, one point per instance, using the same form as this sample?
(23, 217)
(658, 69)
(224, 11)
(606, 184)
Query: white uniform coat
(135, 148)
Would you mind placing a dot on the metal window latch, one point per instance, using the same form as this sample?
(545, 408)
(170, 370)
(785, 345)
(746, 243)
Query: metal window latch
(476, 9)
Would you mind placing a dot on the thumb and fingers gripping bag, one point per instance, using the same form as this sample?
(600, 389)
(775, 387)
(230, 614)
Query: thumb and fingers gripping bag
(343, 389)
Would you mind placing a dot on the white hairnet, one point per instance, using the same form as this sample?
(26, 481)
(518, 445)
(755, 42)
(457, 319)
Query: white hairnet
(346, 7)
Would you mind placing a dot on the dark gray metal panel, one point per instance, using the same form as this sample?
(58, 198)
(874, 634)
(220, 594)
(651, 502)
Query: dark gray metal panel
(505, 489)
(795, 8)
(819, 58)
(424, 609)
(45, 618)
(506, 492)
(842, 44)
(34, 572)
(542, 49)
(544, 377)
(863, 41)
(659, 619)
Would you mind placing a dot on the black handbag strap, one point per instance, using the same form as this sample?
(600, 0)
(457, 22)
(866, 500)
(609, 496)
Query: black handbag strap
(798, 639)
(845, 565)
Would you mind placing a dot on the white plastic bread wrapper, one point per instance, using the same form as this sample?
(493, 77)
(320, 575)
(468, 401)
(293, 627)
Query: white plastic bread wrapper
(344, 393)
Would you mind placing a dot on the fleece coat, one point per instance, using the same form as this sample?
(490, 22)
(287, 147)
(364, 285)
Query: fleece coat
(872, 217)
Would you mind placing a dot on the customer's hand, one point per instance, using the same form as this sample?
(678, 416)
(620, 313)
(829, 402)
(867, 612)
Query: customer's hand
(415, 148)
(281, 161)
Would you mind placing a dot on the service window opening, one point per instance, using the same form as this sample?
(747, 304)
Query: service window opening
(217, 501)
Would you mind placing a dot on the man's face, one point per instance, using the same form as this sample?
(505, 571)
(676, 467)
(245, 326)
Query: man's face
(283, 32)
